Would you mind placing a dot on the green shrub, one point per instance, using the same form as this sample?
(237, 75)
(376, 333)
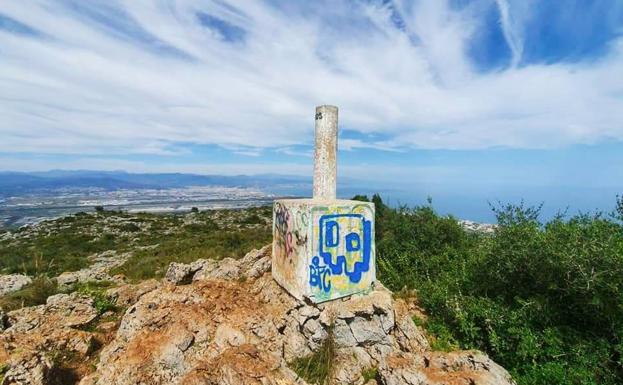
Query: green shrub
(36, 293)
(370, 374)
(66, 243)
(253, 219)
(205, 239)
(317, 367)
(97, 291)
(543, 299)
(129, 227)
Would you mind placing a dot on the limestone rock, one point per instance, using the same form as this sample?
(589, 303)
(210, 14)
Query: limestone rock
(127, 295)
(410, 338)
(13, 282)
(343, 335)
(33, 332)
(77, 310)
(486, 372)
(97, 271)
(228, 268)
(369, 331)
(460, 368)
(227, 336)
(252, 265)
(205, 324)
(180, 273)
(256, 262)
(32, 369)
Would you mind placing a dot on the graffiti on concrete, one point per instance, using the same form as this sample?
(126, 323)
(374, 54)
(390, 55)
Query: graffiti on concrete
(343, 251)
(290, 235)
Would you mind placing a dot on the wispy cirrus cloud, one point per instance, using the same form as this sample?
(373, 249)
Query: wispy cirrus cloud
(129, 77)
(515, 43)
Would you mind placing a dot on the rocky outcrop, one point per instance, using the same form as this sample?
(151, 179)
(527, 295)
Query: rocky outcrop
(36, 335)
(127, 295)
(13, 282)
(98, 270)
(252, 265)
(230, 323)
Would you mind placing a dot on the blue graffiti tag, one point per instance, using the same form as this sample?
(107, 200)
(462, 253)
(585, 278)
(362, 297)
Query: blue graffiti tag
(329, 237)
(319, 276)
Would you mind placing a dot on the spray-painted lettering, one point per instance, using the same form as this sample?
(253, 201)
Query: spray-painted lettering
(343, 251)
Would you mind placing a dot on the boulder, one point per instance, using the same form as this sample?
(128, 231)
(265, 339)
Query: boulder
(13, 282)
(460, 368)
(252, 265)
(179, 273)
(127, 295)
(29, 369)
(101, 264)
(34, 333)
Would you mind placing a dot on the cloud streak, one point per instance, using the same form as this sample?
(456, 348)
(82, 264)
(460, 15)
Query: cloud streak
(514, 42)
(143, 77)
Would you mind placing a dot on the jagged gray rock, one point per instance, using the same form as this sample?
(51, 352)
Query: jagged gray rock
(13, 282)
(98, 271)
(229, 322)
(30, 369)
(227, 330)
(34, 332)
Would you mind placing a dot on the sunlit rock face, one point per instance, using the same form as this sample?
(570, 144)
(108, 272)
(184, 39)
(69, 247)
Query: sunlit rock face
(233, 324)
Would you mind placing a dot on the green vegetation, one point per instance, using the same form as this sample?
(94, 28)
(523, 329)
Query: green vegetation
(316, 367)
(65, 244)
(3, 369)
(97, 291)
(545, 300)
(370, 374)
(205, 237)
(33, 294)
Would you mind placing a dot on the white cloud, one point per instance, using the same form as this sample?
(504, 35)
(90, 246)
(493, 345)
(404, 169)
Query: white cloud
(120, 86)
(510, 32)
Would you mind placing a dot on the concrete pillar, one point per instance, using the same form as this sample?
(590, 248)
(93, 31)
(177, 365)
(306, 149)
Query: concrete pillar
(325, 154)
(323, 248)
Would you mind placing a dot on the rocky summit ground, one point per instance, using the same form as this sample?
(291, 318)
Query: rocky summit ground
(227, 322)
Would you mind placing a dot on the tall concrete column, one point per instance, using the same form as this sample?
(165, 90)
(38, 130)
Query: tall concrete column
(323, 248)
(325, 154)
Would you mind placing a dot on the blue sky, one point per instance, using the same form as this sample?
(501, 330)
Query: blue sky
(496, 99)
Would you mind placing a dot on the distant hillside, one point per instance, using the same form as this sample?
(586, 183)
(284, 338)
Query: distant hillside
(12, 183)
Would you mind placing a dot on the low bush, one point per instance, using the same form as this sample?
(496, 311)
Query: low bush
(316, 367)
(36, 293)
(543, 299)
(97, 291)
(66, 243)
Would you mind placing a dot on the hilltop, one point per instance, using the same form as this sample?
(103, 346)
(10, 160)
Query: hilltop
(227, 322)
(542, 299)
(85, 295)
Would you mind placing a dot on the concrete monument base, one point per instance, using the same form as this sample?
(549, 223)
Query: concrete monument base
(323, 249)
